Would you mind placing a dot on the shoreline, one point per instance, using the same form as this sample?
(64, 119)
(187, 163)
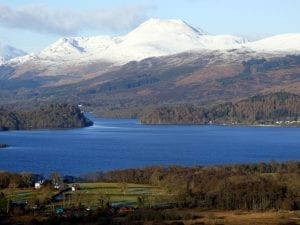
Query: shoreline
(222, 124)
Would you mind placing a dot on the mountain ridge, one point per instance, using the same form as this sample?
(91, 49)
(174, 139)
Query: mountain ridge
(153, 38)
(8, 52)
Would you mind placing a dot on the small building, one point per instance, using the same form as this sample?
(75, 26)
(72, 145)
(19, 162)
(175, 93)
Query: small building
(75, 187)
(38, 180)
(38, 185)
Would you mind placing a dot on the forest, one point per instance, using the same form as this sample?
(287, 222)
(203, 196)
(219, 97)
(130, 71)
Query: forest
(190, 194)
(50, 116)
(256, 186)
(279, 108)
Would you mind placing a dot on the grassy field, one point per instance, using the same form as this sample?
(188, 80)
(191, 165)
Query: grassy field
(92, 195)
(19, 194)
(117, 194)
(95, 194)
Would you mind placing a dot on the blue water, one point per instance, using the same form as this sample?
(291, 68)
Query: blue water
(121, 143)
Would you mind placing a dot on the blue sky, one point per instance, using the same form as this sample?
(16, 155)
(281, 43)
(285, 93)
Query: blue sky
(32, 25)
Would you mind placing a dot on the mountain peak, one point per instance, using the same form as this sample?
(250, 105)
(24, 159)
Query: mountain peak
(8, 52)
(156, 21)
(166, 25)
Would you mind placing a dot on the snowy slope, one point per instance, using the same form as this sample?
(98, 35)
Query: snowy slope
(72, 48)
(165, 37)
(8, 52)
(289, 43)
(153, 38)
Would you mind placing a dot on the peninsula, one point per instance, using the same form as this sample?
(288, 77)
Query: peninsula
(52, 116)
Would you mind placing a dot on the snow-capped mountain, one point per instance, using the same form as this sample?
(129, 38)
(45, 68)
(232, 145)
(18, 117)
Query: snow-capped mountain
(72, 59)
(8, 52)
(165, 37)
(176, 63)
(152, 38)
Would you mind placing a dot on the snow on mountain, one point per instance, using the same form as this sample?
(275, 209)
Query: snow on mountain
(8, 52)
(74, 47)
(153, 38)
(280, 43)
(157, 37)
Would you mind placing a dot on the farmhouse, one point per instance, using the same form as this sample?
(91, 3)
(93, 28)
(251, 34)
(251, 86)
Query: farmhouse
(38, 184)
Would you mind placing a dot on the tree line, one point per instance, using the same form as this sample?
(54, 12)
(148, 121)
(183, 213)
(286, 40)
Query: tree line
(43, 117)
(256, 186)
(281, 108)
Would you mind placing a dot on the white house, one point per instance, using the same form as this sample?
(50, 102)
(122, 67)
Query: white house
(75, 187)
(38, 184)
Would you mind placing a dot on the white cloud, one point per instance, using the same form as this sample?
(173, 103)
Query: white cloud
(43, 19)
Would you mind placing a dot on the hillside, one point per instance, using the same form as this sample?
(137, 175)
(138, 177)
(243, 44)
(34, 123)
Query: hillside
(161, 62)
(73, 59)
(279, 108)
(188, 78)
(44, 117)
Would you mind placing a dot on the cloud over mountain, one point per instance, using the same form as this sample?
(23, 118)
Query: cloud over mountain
(44, 19)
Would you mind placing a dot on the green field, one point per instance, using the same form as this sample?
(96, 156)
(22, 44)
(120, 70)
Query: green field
(94, 195)
(91, 194)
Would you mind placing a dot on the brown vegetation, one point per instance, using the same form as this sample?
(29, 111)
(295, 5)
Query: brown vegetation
(278, 108)
(43, 117)
(245, 187)
(199, 79)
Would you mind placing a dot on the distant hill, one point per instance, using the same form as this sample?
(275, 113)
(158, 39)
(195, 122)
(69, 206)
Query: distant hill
(8, 52)
(277, 108)
(44, 117)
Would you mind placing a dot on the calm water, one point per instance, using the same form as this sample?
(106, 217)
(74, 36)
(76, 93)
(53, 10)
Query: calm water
(113, 144)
